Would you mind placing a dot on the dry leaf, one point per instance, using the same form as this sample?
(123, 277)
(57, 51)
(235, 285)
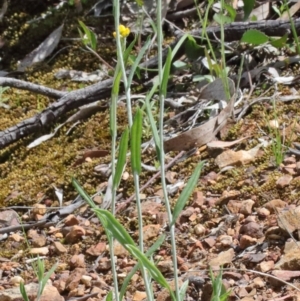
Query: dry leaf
(42, 51)
(224, 144)
(200, 135)
(231, 157)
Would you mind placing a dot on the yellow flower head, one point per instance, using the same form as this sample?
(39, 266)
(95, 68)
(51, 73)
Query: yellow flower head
(124, 31)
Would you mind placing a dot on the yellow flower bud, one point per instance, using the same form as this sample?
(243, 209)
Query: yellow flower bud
(124, 31)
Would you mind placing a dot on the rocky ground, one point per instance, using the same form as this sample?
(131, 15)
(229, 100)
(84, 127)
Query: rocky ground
(243, 214)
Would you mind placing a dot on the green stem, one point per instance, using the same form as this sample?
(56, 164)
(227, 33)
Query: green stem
(161, 136)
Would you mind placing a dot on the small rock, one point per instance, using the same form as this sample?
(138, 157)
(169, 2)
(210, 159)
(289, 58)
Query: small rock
(246, 207)
(289, 261)
(39, 251)
(290, 245)
(289, 220)
(258, 282)
(225, 240)
(223, 258)
(263, 212)
(151, 231)
(276, 203)
(71, 220)
(289, 160)
(198, 199)
(199, 229)
(162, 218)
(74, 278)
(187, 212)
(252, 229)
(59, 248)
(77, 261)
(247, 241)
(97, 249)
(210, 241)
(16, 280)
(289, 169)
(86, 280)
(286, 275)
(9, 218)
(119, 250)
(139, 296)
(104, 264)
(284, 181)
(60, 283)
(165, 266)
(75, 234)
(49, 293)
(39, 209)
(149, 208)
(15, 237)
(266, 266)
(39, 241)
(234, 206)
(78, 291)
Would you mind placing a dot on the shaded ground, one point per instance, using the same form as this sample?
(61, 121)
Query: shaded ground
(253, 189)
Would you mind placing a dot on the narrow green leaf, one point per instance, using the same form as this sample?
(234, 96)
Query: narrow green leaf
(152, 269)
(231, 11)
(109, 296)
(48, 275)
(248, 7)
(150, 251)
(113, 226)
(179, 43)
(122, 158)
(254, 37)
(23, 291)
(138, 59)
(153, 125)
(182, 290)
(135, 142)
(90, 38)
(83, 193)
(128, 50)
(117, 80)
(166, 73)
(93, 38)
(187, 191)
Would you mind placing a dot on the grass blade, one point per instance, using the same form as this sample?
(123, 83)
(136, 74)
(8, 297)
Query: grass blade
(135, 144)
(121, 159)
(187, 191)
(167, 68)
(150, 251)
(83, 193)
(113, 226)
(137, 60)
(183, 289)
(23, 291)
(152, 269)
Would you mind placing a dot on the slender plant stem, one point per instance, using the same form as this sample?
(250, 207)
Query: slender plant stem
(224, 75)
(121, 46)
(161, 134)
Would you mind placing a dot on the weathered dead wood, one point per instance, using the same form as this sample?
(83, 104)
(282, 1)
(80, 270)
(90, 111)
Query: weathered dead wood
(75, 99)
(235, 30)
(67, 101)
(23, 85)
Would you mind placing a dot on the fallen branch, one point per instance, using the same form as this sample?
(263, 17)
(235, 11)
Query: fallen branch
(75, 99)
